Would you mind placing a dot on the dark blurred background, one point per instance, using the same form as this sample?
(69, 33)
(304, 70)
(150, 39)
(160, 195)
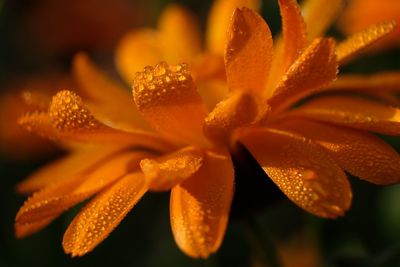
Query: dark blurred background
(37, 41)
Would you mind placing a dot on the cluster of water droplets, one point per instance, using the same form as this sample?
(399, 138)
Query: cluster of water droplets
(67, 112)
(159, 83)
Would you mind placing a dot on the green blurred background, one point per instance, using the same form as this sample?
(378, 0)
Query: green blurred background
(41, 36)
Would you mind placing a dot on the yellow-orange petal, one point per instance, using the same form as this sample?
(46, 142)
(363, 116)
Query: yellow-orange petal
(165, 172)
(248, 53)
(353, 112)
(111, 102)
(69, 120)
(301, 169)
(219, 20)
(293, 32)
(238, 110)
(179, 32)
(319, 15)
(168, 99)
(356, 43)
(376, 82)
(67, 167)
(200, 206)
(25, 229)
(55, 199)
(136, 50)
(362, 154)
(101, 215)
(315, 68)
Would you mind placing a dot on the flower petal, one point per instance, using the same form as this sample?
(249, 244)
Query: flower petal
(293, 31)
(357, 42)
(178, 23)
(25, 229)
(219, 20)
(288, 48)
(69, 120)
(248, 53)
(353, 112)
(362, 154)
(238, 110)
(319, 15)
(136, 50)
(315, 68)
(55, 199)
(200, 207)
(163, 173)
(301, 169)
(168, 99)
(376, 82)
(66, 167)
(98, 218)
(111, 103)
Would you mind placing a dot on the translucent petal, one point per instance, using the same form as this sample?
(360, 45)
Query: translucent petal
(61, 196)
(200, 207)
(319, 15)
(101, 215)
(357, 42)
(315, 68)
(136, 50)
(111, 102)
(67, 167)
(165, 172)
(168, 99)
(219, 19)
(362, 154)
(301, 169)
(248, 53)
(353, 112)
(177, 23)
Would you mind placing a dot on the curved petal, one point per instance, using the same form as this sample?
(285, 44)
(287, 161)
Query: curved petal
(101, 215)
(315, 68)
(319, 15)
(69, 120)
(362, 154)
(353, 112)
(55, 199)
(179, 33)
(200, 206)
(293, 32)
(168, 99)
(112, 103)
(357, 42)
(288, 48)
(219, 20)
(301, 169)
(238, 110)
(67, 167)
(137, 49)
(165, 172)
(248, 53)
(376, 82)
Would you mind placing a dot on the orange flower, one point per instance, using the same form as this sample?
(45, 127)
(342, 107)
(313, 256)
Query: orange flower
(305, 148)
(360, 14)
(182, 147)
